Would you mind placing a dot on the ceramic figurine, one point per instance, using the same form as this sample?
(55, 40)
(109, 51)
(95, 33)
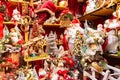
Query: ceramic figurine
(94, 43)
(21, 76)
(71, 33)
(112, 46)
(15, 36)
(51, 20)
(16, 15)
(111, 26)
(90, 6)
(42, 73)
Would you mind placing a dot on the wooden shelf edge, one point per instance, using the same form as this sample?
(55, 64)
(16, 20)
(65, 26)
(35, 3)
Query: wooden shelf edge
(92, 14)
(112, 55)
(17, 1)
(10, 22)
(52, 25)
(41, 57)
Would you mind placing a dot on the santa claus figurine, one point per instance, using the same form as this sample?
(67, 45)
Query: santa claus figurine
(71, 32)
(47, 9)
(111, 26)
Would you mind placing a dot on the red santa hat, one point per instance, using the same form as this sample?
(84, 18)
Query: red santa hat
(75, 21)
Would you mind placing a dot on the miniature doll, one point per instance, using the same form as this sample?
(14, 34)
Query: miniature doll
(94, 43)
(14, 36)
(112, 46)
(32, 52)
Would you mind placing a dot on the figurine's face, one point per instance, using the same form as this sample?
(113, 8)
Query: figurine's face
(12, 30)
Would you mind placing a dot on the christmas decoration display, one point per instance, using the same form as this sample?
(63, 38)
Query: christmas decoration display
(93, 51)
(71, 32)
(51, 20)
(27, 74)
(42, 56)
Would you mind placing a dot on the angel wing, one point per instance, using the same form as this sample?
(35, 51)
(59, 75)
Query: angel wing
(6, 32)
(18, 31)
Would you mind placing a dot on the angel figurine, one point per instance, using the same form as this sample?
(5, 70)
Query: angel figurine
(15, 36)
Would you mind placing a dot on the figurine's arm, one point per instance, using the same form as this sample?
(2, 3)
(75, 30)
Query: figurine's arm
(45, 9)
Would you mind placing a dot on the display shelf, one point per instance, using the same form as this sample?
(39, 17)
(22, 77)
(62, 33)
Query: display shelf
(112, 59)
(11, 22)
(40, 57)
(17, 1)
(51, 25)
(113, 55)
(98, 13)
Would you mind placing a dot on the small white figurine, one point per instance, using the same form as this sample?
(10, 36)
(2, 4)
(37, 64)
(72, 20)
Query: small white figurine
(14, 35)
(90, 6)
(112, 46)
(112, 25)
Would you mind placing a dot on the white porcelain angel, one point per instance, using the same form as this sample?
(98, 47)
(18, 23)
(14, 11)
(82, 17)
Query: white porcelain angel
(15, 35)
